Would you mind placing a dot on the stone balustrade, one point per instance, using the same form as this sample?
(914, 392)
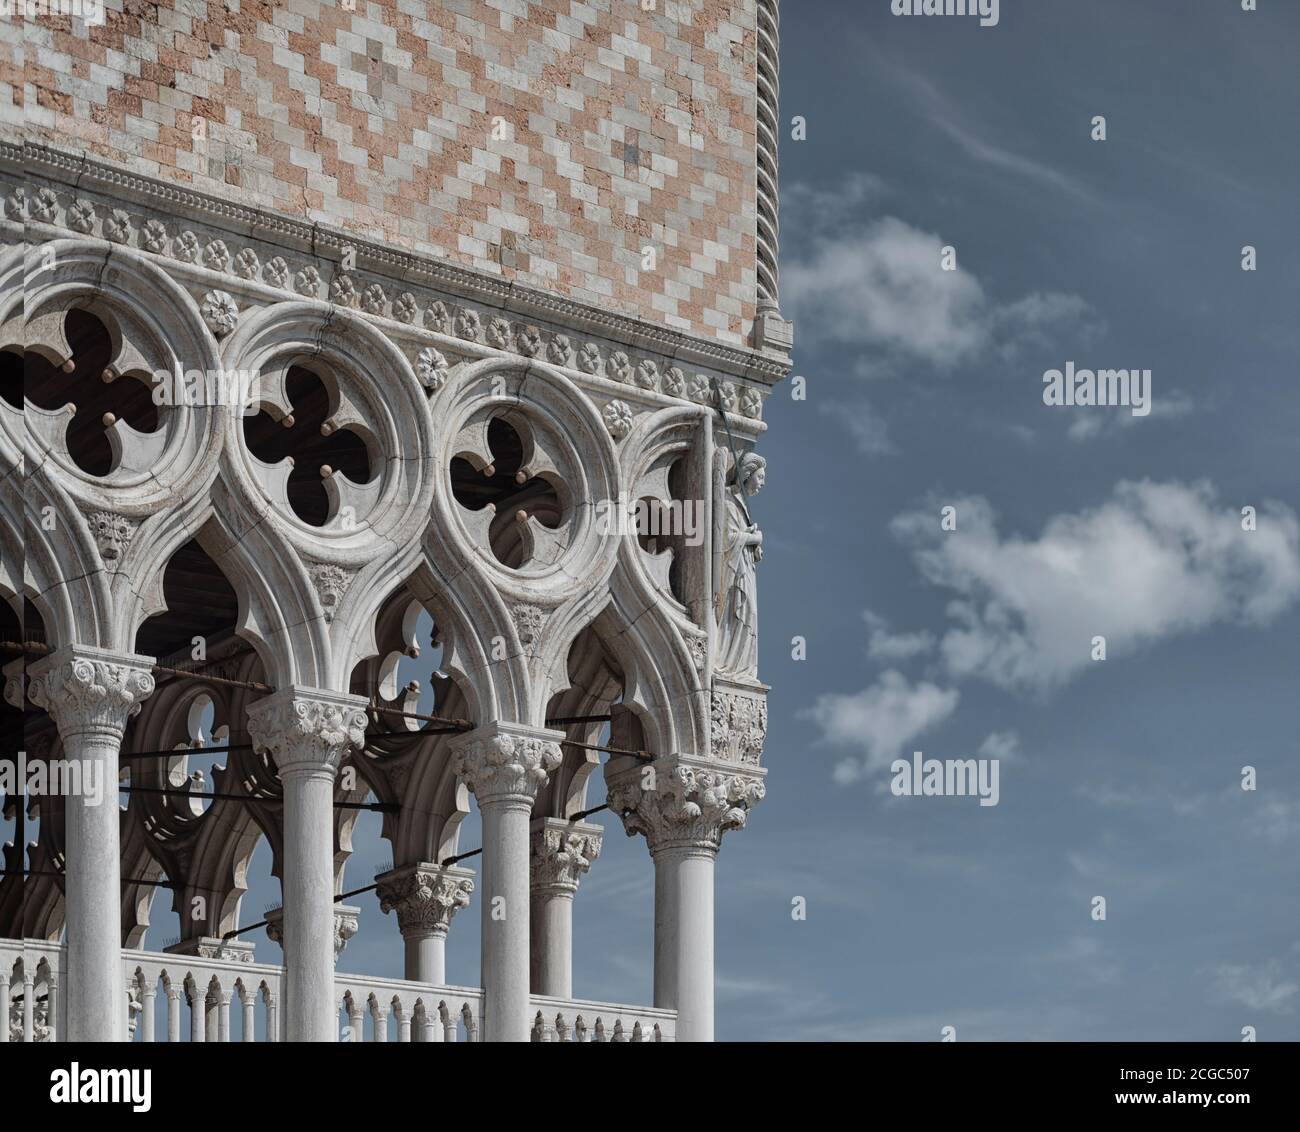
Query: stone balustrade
(577, 1020)
(170, 997)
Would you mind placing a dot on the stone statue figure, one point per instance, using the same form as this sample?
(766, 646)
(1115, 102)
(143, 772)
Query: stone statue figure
(741, 547)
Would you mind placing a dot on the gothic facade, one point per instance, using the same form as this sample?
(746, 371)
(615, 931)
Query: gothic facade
(322, 322)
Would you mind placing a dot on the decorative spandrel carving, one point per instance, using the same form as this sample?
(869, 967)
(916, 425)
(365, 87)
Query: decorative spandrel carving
(739, 551)
(331, 582)
(113, 534)
(738, 727)
(528, 620)
(698, 644)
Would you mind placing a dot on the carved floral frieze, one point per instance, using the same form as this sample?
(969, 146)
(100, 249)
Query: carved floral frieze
(369, 296)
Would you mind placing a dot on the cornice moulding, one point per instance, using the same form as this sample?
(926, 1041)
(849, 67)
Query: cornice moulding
(79, 171)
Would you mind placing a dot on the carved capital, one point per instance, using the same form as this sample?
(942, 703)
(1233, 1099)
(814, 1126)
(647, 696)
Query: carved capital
(560, 852)
(425, 896)
(87, 689)
(500, 762)
(306, 729)
(13, 677)
(680, 804)
(215, 947)
(347, 918)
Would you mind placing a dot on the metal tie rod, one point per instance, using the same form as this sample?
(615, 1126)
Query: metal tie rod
(379, 807)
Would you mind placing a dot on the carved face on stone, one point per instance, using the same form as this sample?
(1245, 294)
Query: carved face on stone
(753, 474)
(112, 533)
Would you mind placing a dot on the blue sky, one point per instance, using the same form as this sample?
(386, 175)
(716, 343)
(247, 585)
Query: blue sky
(925, 390)
(1119, 778)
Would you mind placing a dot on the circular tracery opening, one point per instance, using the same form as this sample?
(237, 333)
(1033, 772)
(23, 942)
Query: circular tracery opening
(316, 449)
(100, 395)
(505, 486)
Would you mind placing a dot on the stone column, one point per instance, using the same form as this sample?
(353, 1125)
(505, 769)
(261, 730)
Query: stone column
(425, 896)
(90, 694)
(29, 1006)
(222, 1004)
(173, 1013)
(198, 997)
(683, 806)
(148, 997)
(505, 765)
(560, 852)
(308, 732)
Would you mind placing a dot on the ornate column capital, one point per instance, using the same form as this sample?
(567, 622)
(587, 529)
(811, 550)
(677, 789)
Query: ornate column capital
(504, 762)
(347, 919)
(425, 896)
(559, 853)
(214, 947)
(88, 690)
(13, 677)
(307, 730)
(684, 803)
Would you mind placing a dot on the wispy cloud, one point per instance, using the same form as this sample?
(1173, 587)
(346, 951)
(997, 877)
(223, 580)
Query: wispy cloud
(949, 116)
(1265, 987)
(1098, 422)
(868, 429)
(894, 647)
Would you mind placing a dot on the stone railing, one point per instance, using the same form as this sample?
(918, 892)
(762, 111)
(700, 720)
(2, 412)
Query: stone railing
(382, 1010)
(574, 1020)
(170, 997)
(209, 987)
(29, 973)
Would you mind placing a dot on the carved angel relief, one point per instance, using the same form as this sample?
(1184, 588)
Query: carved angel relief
(738, 551)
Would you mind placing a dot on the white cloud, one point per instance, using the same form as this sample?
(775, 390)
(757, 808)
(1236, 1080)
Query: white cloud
(867, 427)
(1276, 820)
(1094, 422)
(879, 721)
(1155, 561)
(1263, 988)
(819, 207)
(879, 286)
(890, 647)
(1001, 745)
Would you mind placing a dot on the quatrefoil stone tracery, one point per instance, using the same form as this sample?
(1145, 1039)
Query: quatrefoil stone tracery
(307, 459)
(507, 488)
